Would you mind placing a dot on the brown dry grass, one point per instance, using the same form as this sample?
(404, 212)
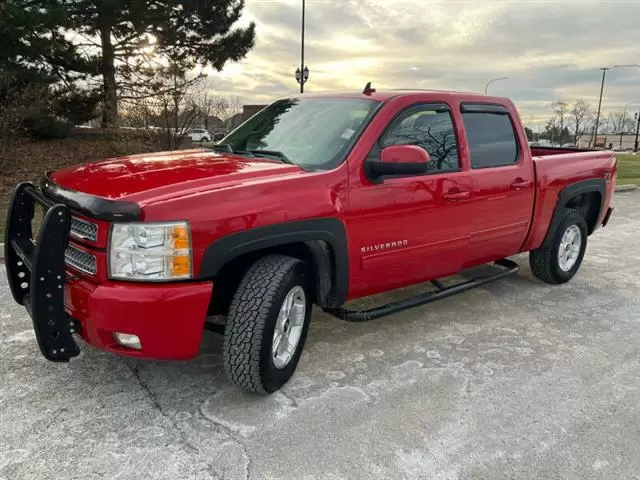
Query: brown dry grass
(27, 160)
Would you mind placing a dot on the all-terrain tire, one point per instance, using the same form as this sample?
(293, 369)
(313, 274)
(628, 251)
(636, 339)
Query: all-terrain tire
(545, 261)
(254, 310)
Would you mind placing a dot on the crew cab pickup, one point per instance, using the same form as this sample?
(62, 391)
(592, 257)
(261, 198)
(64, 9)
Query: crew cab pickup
(316, 199)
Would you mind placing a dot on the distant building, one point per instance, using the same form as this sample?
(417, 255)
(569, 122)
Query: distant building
(232, 122)
(249, 111)
(625, 142)
(215, 124)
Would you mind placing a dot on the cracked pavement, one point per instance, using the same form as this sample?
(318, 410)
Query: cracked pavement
(513, 380)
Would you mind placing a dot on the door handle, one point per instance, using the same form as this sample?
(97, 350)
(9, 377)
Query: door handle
(519, 184)
(456, 195)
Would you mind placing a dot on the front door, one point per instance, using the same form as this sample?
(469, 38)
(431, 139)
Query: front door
(410, 229)
(503, 183)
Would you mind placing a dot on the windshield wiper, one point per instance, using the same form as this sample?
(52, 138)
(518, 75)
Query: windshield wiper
(226, 148)
(223, 147)
(272, 153)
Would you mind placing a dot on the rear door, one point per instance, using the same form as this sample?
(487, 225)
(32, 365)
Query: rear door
(503, 182)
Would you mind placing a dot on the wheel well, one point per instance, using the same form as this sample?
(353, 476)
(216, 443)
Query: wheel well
(588, 205)
(317, 255)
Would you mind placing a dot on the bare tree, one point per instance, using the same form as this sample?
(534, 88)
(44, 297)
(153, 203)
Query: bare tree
(139, 113)
(177, 109)
(166, 103)
(207, 102)
(18, 100)
(228, 108)
(580, 116)
(560, 109)
(621, 122)
(550, 130)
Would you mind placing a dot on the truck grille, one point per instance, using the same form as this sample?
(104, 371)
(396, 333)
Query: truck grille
(83, 261)
(84, 230)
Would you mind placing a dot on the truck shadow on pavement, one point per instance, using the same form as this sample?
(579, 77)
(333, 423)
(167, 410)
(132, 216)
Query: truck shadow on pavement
(340, 354)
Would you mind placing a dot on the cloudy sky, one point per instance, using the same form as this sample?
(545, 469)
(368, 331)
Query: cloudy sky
(549, 49)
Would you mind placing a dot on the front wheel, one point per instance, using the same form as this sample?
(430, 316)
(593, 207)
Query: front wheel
(559, 261)
(267, 324)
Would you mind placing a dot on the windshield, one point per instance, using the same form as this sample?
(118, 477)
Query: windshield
(314, 133)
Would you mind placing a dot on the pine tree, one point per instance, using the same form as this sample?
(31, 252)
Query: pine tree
(122, 42)
(33, 47)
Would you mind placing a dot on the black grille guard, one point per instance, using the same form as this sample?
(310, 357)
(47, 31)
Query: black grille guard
(36, 272)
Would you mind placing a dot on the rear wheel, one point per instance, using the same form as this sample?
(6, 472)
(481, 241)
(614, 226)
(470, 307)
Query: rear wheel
(559, 261)
(267, 324)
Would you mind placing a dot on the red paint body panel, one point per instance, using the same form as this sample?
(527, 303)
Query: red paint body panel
(160, 176)
(503, 199)
(168, 318)
(399, 232)
(556, 171)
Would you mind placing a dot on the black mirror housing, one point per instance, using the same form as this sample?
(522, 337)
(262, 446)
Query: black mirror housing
(376, 170)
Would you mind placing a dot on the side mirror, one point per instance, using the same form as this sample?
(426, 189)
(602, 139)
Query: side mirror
(404, 154)
(399, 160)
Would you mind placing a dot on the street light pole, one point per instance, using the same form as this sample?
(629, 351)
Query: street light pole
(302, 72)
(302, 48)
(493, 80)
(635, 145)
(604, 71)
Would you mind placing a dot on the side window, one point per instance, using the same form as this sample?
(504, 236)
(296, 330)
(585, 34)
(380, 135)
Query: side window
(429, 127)
(492, 141)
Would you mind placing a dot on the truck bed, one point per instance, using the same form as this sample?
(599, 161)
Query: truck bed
(557, 167)
(547, 151)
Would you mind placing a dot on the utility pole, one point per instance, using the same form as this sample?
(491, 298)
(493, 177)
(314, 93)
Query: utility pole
(635, 145)
(595, 130)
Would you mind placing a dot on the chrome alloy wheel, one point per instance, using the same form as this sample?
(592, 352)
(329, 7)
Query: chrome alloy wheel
(569, 249)
(288, 327)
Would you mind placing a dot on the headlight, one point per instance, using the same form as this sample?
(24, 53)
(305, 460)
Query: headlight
(150, 251)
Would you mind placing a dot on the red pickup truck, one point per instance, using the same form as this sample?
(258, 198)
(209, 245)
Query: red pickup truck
(316, 199)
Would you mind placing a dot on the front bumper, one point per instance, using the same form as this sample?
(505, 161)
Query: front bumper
(167, 318)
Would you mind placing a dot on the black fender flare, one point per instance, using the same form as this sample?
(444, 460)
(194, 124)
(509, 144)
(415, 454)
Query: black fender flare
(566, 194)
(314, 233)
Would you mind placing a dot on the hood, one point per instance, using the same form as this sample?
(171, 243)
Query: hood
(148, 177)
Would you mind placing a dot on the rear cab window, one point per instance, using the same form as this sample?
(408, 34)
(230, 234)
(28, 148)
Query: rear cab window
(491, 135)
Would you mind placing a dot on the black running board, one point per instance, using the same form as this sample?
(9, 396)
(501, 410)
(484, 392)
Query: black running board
(509, 266)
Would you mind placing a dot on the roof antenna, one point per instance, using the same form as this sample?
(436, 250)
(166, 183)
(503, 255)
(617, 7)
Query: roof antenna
(368, 90)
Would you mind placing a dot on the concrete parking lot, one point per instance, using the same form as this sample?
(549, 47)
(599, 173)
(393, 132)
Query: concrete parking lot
(514, 380)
